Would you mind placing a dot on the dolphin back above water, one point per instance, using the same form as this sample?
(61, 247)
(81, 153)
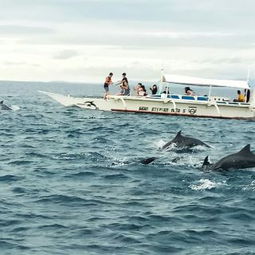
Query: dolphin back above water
(240, 160)
(4, 106)
(147, 161)
(181, 141)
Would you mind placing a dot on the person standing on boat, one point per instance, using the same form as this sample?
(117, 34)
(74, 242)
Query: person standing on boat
(125, 91)
(107, 83)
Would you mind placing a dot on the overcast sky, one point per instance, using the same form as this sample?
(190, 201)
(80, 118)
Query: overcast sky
(84, 40)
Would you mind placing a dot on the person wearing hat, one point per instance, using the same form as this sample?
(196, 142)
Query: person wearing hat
(107, 83)
(125, 91)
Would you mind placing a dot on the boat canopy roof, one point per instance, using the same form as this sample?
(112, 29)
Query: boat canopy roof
(188, 80)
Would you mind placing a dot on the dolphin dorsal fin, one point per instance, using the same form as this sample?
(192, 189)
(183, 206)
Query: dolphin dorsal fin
(179, 133)
(206, 161)
(1, 102)
(246, 149)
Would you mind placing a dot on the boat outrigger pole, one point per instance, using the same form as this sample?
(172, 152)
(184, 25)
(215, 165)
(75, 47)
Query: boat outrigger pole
(210, 91)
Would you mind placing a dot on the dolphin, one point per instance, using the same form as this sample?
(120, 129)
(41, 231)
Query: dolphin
(181, 141)
(147, 161)
(4, 106)
(240, 160)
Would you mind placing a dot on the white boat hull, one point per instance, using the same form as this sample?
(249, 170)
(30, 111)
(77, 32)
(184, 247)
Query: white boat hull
(167, 106)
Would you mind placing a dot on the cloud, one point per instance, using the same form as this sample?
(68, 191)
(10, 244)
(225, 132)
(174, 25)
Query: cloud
(20, 64)
(188, 34)
(66, 54)
(138, 36)
(27, 30)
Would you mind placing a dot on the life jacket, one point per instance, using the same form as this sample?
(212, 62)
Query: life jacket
(241, 98)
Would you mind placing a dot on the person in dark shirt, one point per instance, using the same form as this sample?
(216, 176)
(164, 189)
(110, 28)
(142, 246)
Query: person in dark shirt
(154, 89)
(125, 91)
(144, 93)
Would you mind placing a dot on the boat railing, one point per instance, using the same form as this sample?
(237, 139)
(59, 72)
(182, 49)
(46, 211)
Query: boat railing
(195, 98)
(212, 99)
(185, 97)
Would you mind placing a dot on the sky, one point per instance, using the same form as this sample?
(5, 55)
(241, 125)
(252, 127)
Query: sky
(84, 40)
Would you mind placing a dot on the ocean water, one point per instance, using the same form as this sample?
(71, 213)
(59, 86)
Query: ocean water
(71, 181)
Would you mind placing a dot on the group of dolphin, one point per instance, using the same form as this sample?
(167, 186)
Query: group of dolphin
(240, 160)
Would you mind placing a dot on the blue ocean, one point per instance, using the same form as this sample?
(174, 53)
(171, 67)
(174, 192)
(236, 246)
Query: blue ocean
(71, 181)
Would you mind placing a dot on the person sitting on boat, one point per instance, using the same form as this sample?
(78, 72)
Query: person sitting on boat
(240, 97)
(138, 88)
(166, 91)
(154, 89)
(107, 83)
(189, 91)
(163, 94)
(125, 91)
(142, 91)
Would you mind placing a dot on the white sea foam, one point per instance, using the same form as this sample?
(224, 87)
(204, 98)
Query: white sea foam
(250, 186)
(204, 184)
(171, 147)
(159, 144)
(200, 148)
(15, 107)
(192, 160)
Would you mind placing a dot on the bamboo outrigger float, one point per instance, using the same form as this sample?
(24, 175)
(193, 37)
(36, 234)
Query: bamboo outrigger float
(172, 104)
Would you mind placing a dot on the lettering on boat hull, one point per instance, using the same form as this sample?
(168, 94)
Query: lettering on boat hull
(143, 108)
(159, 109)
(190, 110)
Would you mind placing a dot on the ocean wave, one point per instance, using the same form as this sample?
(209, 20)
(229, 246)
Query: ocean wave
(249, 187)
(72, 181)
(206, 184)
(10, 178)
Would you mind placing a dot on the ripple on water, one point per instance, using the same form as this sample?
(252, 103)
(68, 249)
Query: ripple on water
(72, 182)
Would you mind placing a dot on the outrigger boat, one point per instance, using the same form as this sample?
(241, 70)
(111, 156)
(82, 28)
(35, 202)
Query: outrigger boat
(172, 104)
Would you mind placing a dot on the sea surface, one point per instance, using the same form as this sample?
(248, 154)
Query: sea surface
(71, 181)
